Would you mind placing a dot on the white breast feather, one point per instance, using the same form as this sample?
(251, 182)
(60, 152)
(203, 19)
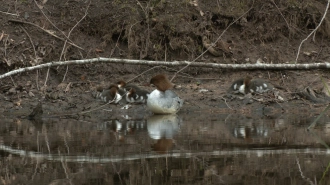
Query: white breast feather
(164, 103)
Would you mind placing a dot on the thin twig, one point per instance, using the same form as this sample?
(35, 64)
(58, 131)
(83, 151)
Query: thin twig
(116, 45)
(34, 49)
(215, 41)
(6, 46)
(51, 22)
(66, 72)
(37, 80)
(155, 68)
(317, 27)
(67, 68)
(35, 54)
(47, 75)
(226, 102)
(143, 73)
(8, 13)
(97, 108)
(50, 33)
(281, 14)
(12, 80)
(114, 99)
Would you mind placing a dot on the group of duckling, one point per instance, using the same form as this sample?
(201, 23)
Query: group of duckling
(162, 100)
(249, 85)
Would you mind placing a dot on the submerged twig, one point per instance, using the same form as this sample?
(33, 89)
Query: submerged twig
(318, 117)
(302, 174)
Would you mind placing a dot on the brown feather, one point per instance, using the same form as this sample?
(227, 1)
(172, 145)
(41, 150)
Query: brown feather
(161, 82)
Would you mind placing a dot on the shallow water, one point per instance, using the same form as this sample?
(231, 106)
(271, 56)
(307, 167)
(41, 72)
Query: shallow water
(190, 148)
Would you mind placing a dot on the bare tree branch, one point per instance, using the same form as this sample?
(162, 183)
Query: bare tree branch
(317, 27)
(39, 7)
(47, 31)
(325, 65)
(64, 46)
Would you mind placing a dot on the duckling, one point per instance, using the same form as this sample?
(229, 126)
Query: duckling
(249, 85)
(107, 95)
(255, 86)
(126, 87)
(136, 95)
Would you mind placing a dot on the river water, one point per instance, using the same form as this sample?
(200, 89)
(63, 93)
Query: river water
(187, 148)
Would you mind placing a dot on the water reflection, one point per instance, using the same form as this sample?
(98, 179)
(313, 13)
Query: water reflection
(162, 150)
(247, 128)
(162, 128)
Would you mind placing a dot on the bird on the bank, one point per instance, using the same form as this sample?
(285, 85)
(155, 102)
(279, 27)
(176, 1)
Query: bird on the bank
(134, 95)
(163, 100)
(235, 86)
(109, 94)
(249, 85)
(126, 87)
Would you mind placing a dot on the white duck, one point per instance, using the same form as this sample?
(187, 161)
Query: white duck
(163, 100)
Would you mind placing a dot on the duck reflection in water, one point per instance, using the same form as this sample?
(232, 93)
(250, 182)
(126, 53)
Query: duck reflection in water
(122, 128)
(255, 129)
(163, 128)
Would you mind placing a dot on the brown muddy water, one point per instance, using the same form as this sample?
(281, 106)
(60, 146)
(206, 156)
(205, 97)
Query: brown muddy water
(188, 148)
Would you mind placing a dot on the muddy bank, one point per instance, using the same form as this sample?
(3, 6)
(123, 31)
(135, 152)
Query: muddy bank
(161, 30)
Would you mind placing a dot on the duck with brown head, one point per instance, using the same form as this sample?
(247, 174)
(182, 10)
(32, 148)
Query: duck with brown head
(163, 100)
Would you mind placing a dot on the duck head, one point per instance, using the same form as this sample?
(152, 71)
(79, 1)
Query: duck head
(161, 82)
(114, 93)
(131, 92)
(121, 84)
(99, 89)
(247, 81)
(113, 86)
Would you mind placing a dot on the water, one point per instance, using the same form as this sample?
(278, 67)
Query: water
(190, 148)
